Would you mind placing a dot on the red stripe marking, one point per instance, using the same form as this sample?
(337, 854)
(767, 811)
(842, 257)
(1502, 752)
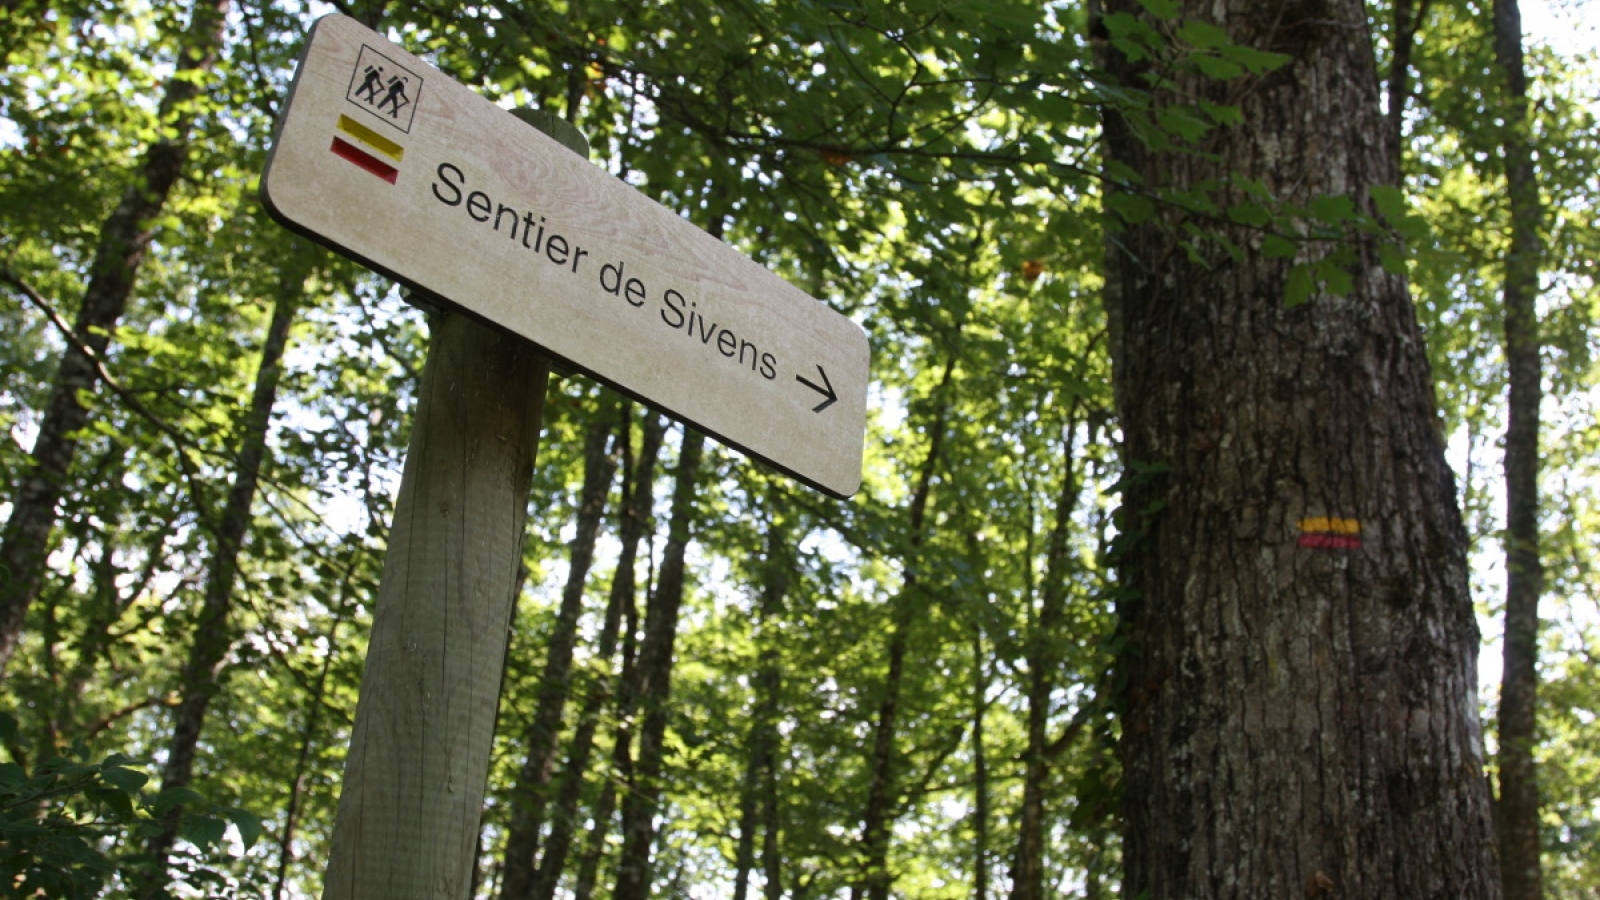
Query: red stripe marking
(1331, 541)
(365, 160)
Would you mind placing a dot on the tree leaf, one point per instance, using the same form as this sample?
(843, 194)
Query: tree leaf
(204, 831)
(248, 823)
(1249, 214)
(1333, 210)
(1204, 35)
(129, 781)
(1276, 246)
(172, 798)
(1300, 285)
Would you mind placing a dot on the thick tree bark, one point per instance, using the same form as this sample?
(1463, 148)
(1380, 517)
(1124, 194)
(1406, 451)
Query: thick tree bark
(200, 680)
(655, 674)
(530, 792)
(124, 238)
(1297, 670)
(637, 499)
(1518, 809)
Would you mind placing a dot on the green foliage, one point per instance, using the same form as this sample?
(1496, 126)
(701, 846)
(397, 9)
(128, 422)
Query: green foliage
(929, 168)
(71, 828)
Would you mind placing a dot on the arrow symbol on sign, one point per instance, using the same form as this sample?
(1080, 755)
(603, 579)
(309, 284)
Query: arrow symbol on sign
(825, 389)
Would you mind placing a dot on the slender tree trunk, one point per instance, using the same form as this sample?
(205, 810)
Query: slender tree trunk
(200, 679)
(1297, 646)
(629, 692)
(1044, 659)
(655, 671)
(744, 854)
(1407, 21)
(1518, 809)
(124, 238)
(114, 591)
(772, 810)
(756, 796)
(980, 769)
(589, 868)
(315, 704)
(883, 787)
(529, 794)
(637, 499)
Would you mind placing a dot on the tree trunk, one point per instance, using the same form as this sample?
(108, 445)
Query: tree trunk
(1518, 810)
(96, 632)
(883, 785)
(200, 679)
(637, 499)
(655, 671)
(589, 868)
(757, 796)
(980, 768)
(529, 794)
(124, 238)
(1044, 658)
(1407, 21)
(1297, 665)
(772, 808)
(316, 703)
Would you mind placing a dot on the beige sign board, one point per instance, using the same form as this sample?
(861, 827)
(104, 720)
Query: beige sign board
(387, 160)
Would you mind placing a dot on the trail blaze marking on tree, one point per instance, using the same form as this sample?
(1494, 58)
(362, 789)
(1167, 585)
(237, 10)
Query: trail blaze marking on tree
(1328, 533)
(502, 221)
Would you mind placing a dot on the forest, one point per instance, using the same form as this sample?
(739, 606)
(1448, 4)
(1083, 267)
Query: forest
(1153, 480)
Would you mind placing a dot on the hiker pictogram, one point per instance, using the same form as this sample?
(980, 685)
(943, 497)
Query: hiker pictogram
(385, 88)
(371, 84)
(393, 94)
(395, 98)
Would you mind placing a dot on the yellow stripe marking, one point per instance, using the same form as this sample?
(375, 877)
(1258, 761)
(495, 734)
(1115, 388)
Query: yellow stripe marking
(1328, 525)
(371, 138)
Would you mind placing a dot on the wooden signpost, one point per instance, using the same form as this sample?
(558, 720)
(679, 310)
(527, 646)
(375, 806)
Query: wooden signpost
(385, 159)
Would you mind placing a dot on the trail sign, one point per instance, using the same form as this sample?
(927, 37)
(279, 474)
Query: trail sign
(391, 162)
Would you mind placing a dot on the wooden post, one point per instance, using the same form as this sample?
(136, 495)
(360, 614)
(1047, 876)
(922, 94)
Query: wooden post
(409, 810)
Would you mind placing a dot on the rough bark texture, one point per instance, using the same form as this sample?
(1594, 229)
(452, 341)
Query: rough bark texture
(655, 672)
(124, 238)
(1518, 811)
(1297, 672)
(529, 795)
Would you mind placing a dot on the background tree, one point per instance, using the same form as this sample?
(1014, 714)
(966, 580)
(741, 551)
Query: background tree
(1517, 811)
(1295, 601)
